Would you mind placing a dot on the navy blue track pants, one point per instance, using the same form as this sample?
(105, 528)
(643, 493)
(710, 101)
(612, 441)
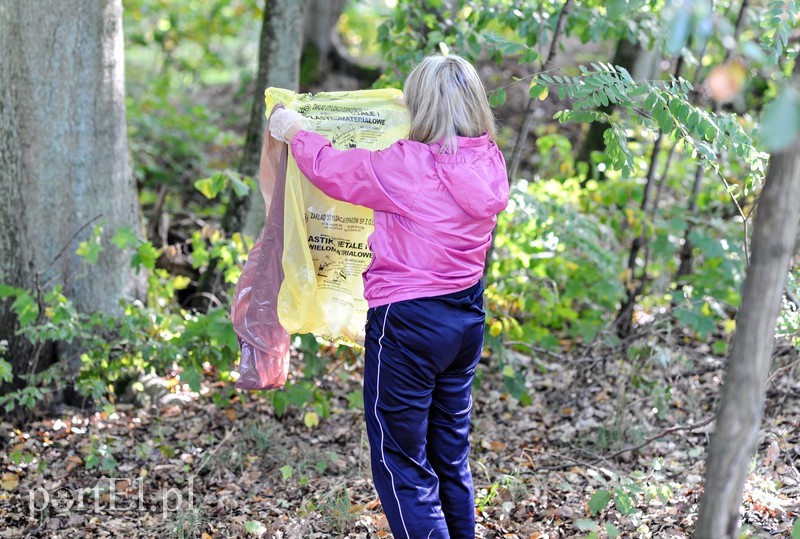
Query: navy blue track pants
(421, 356)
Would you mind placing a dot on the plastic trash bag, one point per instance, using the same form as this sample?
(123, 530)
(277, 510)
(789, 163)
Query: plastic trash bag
(263, 342)
(303, 274)
(325, 240)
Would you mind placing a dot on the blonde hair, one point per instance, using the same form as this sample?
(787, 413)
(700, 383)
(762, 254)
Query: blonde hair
(445, 99)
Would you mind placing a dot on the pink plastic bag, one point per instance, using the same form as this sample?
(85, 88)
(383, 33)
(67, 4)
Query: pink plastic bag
(263, 342)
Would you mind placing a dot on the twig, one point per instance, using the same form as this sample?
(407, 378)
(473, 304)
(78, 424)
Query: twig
(744, 218)
(69, 242)
(210, 454)
(660, 435)
(533, 348)
(782, 369)
(572, 460)
(208, 295)
(791, 297)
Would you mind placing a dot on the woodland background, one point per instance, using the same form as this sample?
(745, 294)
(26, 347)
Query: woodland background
(648, 250)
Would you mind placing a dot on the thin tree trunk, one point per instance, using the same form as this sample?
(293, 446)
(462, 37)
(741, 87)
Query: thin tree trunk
(636, 286)
(64, 157)
(687, 249)
(742, 403)
(12, 209)
(279, 66)
(321, 19)
(522, 135)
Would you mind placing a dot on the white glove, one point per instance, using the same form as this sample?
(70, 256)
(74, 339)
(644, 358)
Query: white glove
(284, 124)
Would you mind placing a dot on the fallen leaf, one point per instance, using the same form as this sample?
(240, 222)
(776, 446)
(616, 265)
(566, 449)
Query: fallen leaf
(773, 452)
(73, 461)
(9, 481)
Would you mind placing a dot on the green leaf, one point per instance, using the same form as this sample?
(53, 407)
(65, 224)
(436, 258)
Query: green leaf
(796, 529)
(124, 237)
(89, 250)
(254, 527)
(650, 101)
(9, 291)
(145, 256)
(355, 399)
(286, 471)
(311, 419)
(664, 493)
(674, 107)
(679, 30)
(240, 187)
(191, 377)
(91, 461)
(280, 401)
(26, 308)
(536, 90)
(710, 131)
(623, 502)
(599, 501)
(200, 255)
(6, 371)
(181, 282)
(780, 124)
(497, 97)
(664, 120)
(586, 525)
(616, 8)
(612, 531)
(211, 187)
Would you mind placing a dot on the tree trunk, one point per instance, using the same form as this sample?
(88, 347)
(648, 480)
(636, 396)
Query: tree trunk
(739, 414)
(636, 284)
(278, 65)
(687, 250)
(321, 19)
(64, 157)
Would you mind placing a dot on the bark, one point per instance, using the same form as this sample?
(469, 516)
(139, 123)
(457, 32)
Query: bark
(742, 403)
(278, 65)
(64, 157)
(321, 19)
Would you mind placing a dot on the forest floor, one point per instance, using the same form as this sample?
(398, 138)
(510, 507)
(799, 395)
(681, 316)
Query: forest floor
(635, 426)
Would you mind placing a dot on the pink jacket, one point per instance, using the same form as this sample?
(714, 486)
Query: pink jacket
(434, 212)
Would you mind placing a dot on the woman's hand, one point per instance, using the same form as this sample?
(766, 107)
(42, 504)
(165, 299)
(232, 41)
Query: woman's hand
(284, 124)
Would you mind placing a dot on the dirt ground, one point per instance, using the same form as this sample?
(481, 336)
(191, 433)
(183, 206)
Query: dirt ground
(633, 425)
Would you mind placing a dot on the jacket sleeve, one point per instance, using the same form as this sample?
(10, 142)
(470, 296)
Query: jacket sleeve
(359, 176)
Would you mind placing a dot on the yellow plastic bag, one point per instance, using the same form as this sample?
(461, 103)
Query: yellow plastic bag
(325, 240)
